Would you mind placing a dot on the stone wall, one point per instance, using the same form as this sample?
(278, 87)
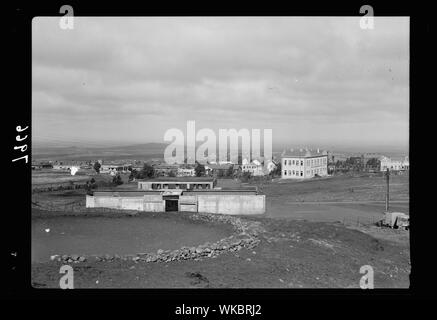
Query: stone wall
(246, 235)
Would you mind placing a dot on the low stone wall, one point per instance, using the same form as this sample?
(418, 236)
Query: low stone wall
(245, 236)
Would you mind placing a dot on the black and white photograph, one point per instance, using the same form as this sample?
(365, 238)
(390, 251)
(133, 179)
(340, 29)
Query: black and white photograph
(220, 152)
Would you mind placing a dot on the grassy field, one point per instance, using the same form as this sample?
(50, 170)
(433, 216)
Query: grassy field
(52, 177)
(339, 188)
(345, 198)
(69, 199)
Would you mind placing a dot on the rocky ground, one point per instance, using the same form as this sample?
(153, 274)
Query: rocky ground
(282, 254)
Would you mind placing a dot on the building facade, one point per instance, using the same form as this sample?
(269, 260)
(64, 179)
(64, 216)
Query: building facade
(113, 169)
(395, 164)
(304, 164)
(194, 195)
(187, 183)
(253, 169)
(186, 172)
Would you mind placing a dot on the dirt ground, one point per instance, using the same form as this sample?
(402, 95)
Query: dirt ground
(291, 254)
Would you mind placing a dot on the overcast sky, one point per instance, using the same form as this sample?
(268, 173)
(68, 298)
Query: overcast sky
(312, 80)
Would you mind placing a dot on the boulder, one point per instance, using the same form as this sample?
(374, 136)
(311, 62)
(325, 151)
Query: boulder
(54, 257)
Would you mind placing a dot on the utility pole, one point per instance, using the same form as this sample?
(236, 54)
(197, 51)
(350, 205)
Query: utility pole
(387, 175)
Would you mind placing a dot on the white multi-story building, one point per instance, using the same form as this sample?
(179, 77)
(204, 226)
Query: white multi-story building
(304, 164)
(253, 169)
(394, 164)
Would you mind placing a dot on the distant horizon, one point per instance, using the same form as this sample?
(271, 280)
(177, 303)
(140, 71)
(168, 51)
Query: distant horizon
(276, 146)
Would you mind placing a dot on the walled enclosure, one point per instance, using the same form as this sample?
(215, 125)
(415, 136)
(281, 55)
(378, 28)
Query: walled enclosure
(209, 203)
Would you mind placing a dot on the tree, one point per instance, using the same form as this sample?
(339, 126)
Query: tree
(146, 172)
(199, 169)
(97, 166)
(230, 171)
(278, 170)
(117, 180)
(172, 173)
(90, 184)
(373, 162)
(133, 175)
(245, 176)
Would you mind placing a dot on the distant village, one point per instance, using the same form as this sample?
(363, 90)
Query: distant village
(291, 164)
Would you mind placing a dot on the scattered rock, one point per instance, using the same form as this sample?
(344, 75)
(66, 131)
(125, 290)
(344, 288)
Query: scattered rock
(246, 237)
(54, 257)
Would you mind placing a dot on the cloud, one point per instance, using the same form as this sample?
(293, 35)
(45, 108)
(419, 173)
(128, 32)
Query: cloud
(299, 76)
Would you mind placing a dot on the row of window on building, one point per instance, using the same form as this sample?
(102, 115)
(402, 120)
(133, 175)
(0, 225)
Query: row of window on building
(297, 173)
(294, 173)
(309, 162)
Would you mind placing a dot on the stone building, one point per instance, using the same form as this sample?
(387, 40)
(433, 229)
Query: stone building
(304, 164)
(395, 164)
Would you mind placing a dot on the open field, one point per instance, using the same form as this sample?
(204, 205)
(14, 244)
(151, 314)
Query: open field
(145, 151)
(366, 187)
(49, 178)
(345, 198)
(52, 177)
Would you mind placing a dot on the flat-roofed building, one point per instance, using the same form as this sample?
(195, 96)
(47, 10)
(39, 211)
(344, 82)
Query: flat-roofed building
(304, 164)
(164, 169)
(395, 164)
(115, 168)
(184, 183)
(183, 195)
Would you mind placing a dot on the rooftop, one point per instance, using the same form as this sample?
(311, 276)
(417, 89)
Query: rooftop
(303, 153)
(136, 193)
(219, 166)
(178, 179)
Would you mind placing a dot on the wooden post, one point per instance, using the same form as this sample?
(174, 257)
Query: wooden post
(387, 200)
